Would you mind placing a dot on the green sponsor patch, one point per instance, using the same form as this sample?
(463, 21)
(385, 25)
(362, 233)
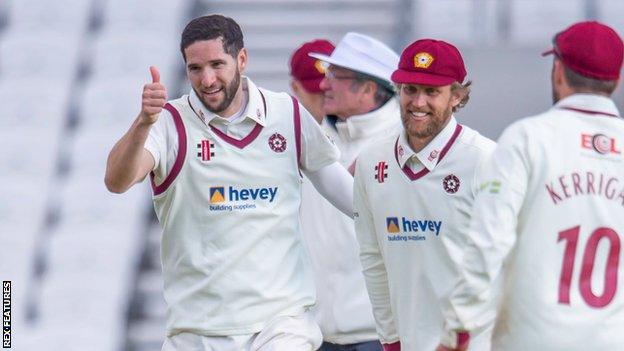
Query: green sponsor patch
(493, 185)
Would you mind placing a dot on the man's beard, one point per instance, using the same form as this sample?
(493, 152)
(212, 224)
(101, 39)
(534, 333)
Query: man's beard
(229, 92)
(433, 127)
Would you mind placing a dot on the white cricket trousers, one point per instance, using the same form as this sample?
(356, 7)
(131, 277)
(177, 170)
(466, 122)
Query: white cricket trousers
(299, 333)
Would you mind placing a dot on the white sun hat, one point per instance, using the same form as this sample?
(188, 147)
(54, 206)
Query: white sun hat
(361, 53)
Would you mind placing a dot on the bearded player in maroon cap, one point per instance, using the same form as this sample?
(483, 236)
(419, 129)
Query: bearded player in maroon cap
(551, 208)
(412, 196)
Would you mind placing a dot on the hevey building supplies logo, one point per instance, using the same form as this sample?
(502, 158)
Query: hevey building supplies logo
(234, 198)
(416, 229)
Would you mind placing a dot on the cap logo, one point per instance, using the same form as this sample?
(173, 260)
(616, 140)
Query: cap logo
(320, 66)
(423, 60)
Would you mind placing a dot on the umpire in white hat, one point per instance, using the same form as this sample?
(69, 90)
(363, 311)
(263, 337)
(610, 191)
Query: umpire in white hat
(357, 80)
(360, 104)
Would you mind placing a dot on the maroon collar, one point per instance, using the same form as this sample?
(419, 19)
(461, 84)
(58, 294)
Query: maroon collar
(589, 112)
(415, 176)
(233, 141)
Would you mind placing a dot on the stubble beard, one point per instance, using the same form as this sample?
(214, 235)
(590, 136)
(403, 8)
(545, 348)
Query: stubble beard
(229, 94)
(434, 126)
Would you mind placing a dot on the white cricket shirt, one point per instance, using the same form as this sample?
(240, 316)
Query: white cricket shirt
(411, 220)
(550, 216)
(343, 309)
(232, 254)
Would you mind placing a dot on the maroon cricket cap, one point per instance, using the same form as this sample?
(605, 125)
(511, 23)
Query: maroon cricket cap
(430, 62)
(590, 49)
(308, 70)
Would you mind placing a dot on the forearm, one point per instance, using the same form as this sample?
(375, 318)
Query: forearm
(126, 161)
(376, 278)
(373, 266)
(491, 236)
(336, 185)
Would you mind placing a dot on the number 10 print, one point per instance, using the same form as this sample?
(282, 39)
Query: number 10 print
(570, 236)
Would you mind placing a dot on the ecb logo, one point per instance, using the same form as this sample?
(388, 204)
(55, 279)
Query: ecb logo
(600, 143)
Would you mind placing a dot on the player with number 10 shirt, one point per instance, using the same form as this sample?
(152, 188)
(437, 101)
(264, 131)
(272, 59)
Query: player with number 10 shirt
(550, 214)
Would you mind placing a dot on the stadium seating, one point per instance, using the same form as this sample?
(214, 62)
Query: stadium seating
(130, 55)
(46, 55)
(66, 17)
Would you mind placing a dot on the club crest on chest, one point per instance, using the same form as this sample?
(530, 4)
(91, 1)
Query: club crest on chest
(277, 142)
(451, 184)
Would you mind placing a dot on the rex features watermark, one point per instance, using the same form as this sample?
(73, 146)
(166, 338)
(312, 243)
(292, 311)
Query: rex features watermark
(6, 314)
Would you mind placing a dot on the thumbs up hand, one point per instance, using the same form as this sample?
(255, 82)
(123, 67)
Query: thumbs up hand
(153, 99)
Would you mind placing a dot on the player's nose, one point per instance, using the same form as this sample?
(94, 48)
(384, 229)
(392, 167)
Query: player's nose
(208, 78)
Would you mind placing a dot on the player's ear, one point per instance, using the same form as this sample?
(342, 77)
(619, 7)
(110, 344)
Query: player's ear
(457, 94)
(558, 75)
(295, 86)
(366, 90)
(241, 59)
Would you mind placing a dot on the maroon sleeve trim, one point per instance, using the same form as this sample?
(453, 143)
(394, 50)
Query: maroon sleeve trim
(297, 120)
(395, 346)
(463, 338)
(177, 165)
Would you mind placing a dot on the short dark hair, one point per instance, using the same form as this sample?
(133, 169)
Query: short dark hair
(213, 27)
(583, 84)
(384, 90)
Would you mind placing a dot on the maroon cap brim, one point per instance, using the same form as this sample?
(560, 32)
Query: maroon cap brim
(411, 77)
(312, 85)
(548, 52)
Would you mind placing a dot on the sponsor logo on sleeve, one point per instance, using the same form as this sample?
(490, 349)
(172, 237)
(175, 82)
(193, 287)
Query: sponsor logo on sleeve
(493, 186)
